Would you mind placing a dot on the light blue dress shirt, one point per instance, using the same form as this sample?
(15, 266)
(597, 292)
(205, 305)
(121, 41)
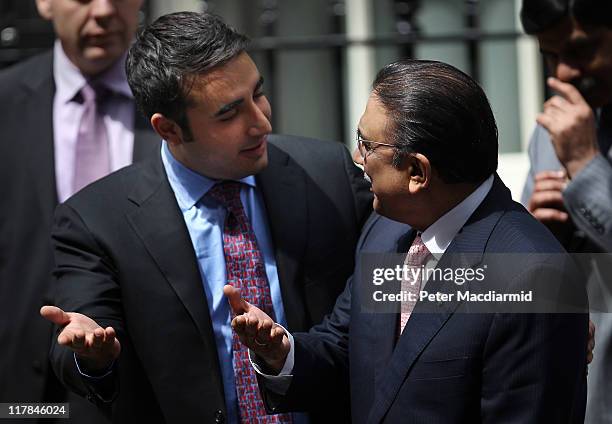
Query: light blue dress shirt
(205, 219)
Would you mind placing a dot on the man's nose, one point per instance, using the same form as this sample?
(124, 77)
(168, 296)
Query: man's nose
(101, 9)
(260, 124)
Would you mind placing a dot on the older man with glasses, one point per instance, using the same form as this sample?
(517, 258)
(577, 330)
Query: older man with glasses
(437, 198)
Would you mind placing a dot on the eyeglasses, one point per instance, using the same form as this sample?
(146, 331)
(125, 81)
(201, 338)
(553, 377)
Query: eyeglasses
(368, 146)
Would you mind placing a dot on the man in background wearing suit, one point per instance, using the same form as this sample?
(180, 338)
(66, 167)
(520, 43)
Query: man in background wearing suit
(569, 186)
(428, 142)
(142, 255)
(67, 117)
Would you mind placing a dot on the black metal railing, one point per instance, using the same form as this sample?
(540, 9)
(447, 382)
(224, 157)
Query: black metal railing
(23, 33)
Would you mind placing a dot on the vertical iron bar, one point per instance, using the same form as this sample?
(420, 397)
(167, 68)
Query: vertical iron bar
(268, 20)
(405, 23)
(338, 26)
(473, 27)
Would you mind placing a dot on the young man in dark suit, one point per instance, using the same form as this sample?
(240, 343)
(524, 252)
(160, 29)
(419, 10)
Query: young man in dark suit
(143, 255)
(44, 146)
(428, 142)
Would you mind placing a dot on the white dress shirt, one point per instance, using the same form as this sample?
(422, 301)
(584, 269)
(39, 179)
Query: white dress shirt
(437, 237)
(118, 116)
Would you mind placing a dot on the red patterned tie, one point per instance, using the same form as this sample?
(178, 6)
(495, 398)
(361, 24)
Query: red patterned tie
(245, 270)
(416, 257)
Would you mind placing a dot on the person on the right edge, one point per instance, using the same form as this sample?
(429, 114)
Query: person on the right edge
(428, 142)
(569, 186)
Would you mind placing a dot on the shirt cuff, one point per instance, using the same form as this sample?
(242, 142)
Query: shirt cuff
(106, 373)
(279, 383)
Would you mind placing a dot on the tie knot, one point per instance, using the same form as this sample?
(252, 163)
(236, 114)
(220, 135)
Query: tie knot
(94, 93)
(418, 252)
(228, 194)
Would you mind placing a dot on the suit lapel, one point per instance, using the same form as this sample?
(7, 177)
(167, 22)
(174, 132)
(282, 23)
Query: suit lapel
(283, 186)
(159, 224)
(37, 127)
(427, 319)
(386, 324)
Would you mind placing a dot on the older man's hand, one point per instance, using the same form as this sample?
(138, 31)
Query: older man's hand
(257, 331)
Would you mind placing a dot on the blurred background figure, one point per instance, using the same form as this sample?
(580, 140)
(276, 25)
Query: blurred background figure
(570, 181)
(67, 118)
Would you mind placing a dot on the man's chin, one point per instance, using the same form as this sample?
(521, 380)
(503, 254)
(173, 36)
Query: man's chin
(260, 164)
(253, 167)
(377, 206)
(393, 213)
(101, 57)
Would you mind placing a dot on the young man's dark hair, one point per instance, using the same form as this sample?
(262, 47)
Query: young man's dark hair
(441, 113)
(540, 15)
(170, 52)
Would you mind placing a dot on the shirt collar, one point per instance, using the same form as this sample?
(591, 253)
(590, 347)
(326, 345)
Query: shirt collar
(439, 235)
(189, 186)
(69, 80)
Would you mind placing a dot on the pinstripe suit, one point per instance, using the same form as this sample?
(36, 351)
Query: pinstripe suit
(588, 199)
(448, 366)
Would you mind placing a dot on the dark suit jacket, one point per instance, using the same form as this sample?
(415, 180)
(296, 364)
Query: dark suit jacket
(124, 258)
(450, 366)
(29, 196)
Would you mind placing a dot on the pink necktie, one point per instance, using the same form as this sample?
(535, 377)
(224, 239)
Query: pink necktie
(245, 270)
(416, 257)
(92, 158)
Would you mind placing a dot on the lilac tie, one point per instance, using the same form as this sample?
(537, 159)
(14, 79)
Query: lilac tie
(92, 158)
(416, 257)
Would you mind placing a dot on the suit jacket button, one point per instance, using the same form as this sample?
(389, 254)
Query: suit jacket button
(37, 365)
(219, 417)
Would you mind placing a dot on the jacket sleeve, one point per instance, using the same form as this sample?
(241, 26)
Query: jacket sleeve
(320, 373)
(85, 282)
(588, 198)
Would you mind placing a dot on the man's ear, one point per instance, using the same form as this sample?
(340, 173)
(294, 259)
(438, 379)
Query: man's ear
(420, 171)
(44, 9)
(167, 129)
